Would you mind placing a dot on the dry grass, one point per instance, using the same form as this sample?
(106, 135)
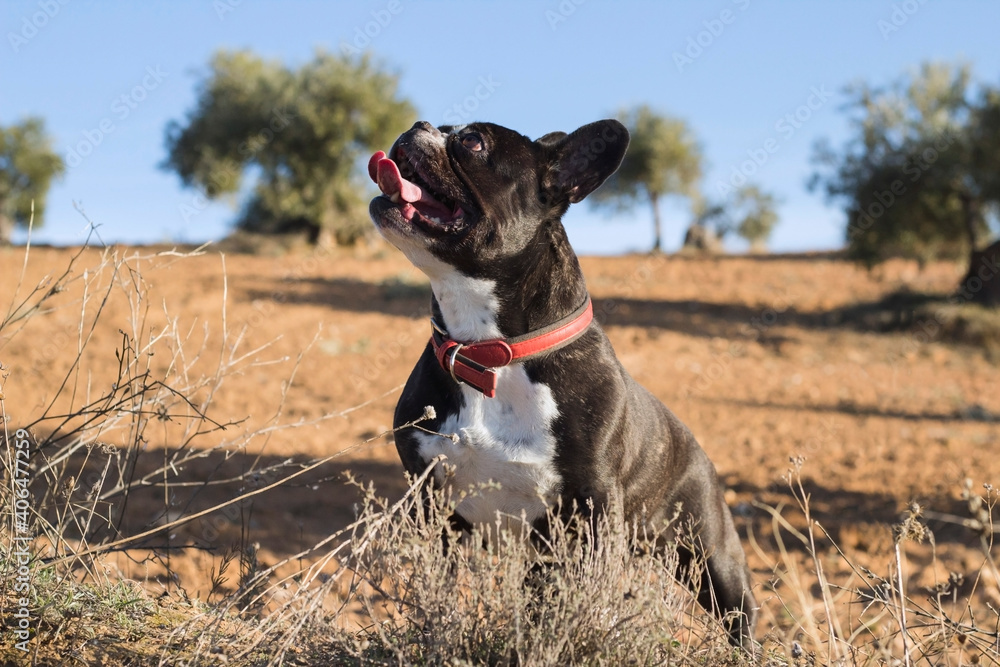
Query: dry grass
(930, 316)
(878, 617)
(384, 590)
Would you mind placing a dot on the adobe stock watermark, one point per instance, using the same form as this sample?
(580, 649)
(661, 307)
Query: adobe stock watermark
(263, 309)
(364, 34)
(703, 40)
(35, 22)
(390, 353)
(121, 107)
(585, 154)
(827, 437)
(929, 328)
(562, 12)
(785, 128)
(899, 17)
(588, 153)
(461, 112)
(221, 180)
(626, 288)
(21, 541)
(914, 168)
(722, 362)
(224, 7)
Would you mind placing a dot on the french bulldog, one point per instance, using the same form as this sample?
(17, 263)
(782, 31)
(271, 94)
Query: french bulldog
(516, 365)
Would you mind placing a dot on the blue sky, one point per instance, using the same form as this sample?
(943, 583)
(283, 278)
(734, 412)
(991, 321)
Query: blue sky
(733, 69)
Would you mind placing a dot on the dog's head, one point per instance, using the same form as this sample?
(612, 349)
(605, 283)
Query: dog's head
(473, 195)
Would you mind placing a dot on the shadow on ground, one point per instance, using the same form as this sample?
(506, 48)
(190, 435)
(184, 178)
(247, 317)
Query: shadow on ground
(897, 311)
(972, 413)
(388, 297)
(854, 520)
(299, 513)
(284, 520)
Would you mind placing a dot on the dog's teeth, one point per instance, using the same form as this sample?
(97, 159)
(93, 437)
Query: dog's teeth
(436, 221)
(394, 198)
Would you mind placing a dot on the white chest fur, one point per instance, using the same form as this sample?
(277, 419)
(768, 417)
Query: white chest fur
(507, 440)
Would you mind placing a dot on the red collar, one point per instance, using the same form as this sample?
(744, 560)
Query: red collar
(475, 363)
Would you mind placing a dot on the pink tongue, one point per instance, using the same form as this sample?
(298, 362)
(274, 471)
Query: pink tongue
(373, 165)
(392, 184)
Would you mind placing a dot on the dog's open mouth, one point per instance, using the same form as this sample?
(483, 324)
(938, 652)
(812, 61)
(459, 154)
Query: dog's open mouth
(416, 200)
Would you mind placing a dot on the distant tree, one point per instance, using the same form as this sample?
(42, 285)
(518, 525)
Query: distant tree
(755, 215)
(918, 177)
(711, 223)
(985, 142)
(749, 212)
(303, 130)
(27, 167)
(663, 159)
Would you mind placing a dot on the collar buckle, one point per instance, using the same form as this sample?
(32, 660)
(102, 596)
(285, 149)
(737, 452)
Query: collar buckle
(476, 363)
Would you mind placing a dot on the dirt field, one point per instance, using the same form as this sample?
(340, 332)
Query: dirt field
(747, 351)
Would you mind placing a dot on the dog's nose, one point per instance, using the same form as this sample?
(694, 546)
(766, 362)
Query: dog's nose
(414, 139)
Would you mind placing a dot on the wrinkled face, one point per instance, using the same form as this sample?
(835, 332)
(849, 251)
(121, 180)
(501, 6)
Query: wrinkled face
(469, 195)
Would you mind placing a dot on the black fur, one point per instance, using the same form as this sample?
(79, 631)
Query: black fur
(616, 443)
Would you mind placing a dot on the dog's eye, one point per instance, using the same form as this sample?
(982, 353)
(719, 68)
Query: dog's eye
(473, 142)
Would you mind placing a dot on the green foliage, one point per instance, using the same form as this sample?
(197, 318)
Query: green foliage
(909, 177)
(750, 213)
(984, 141)
(304, 130)
(27, 167)
(755, 217)
(663, 159)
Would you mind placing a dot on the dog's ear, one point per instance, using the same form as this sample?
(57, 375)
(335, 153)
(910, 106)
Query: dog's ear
(581, 161)
(551, 138)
